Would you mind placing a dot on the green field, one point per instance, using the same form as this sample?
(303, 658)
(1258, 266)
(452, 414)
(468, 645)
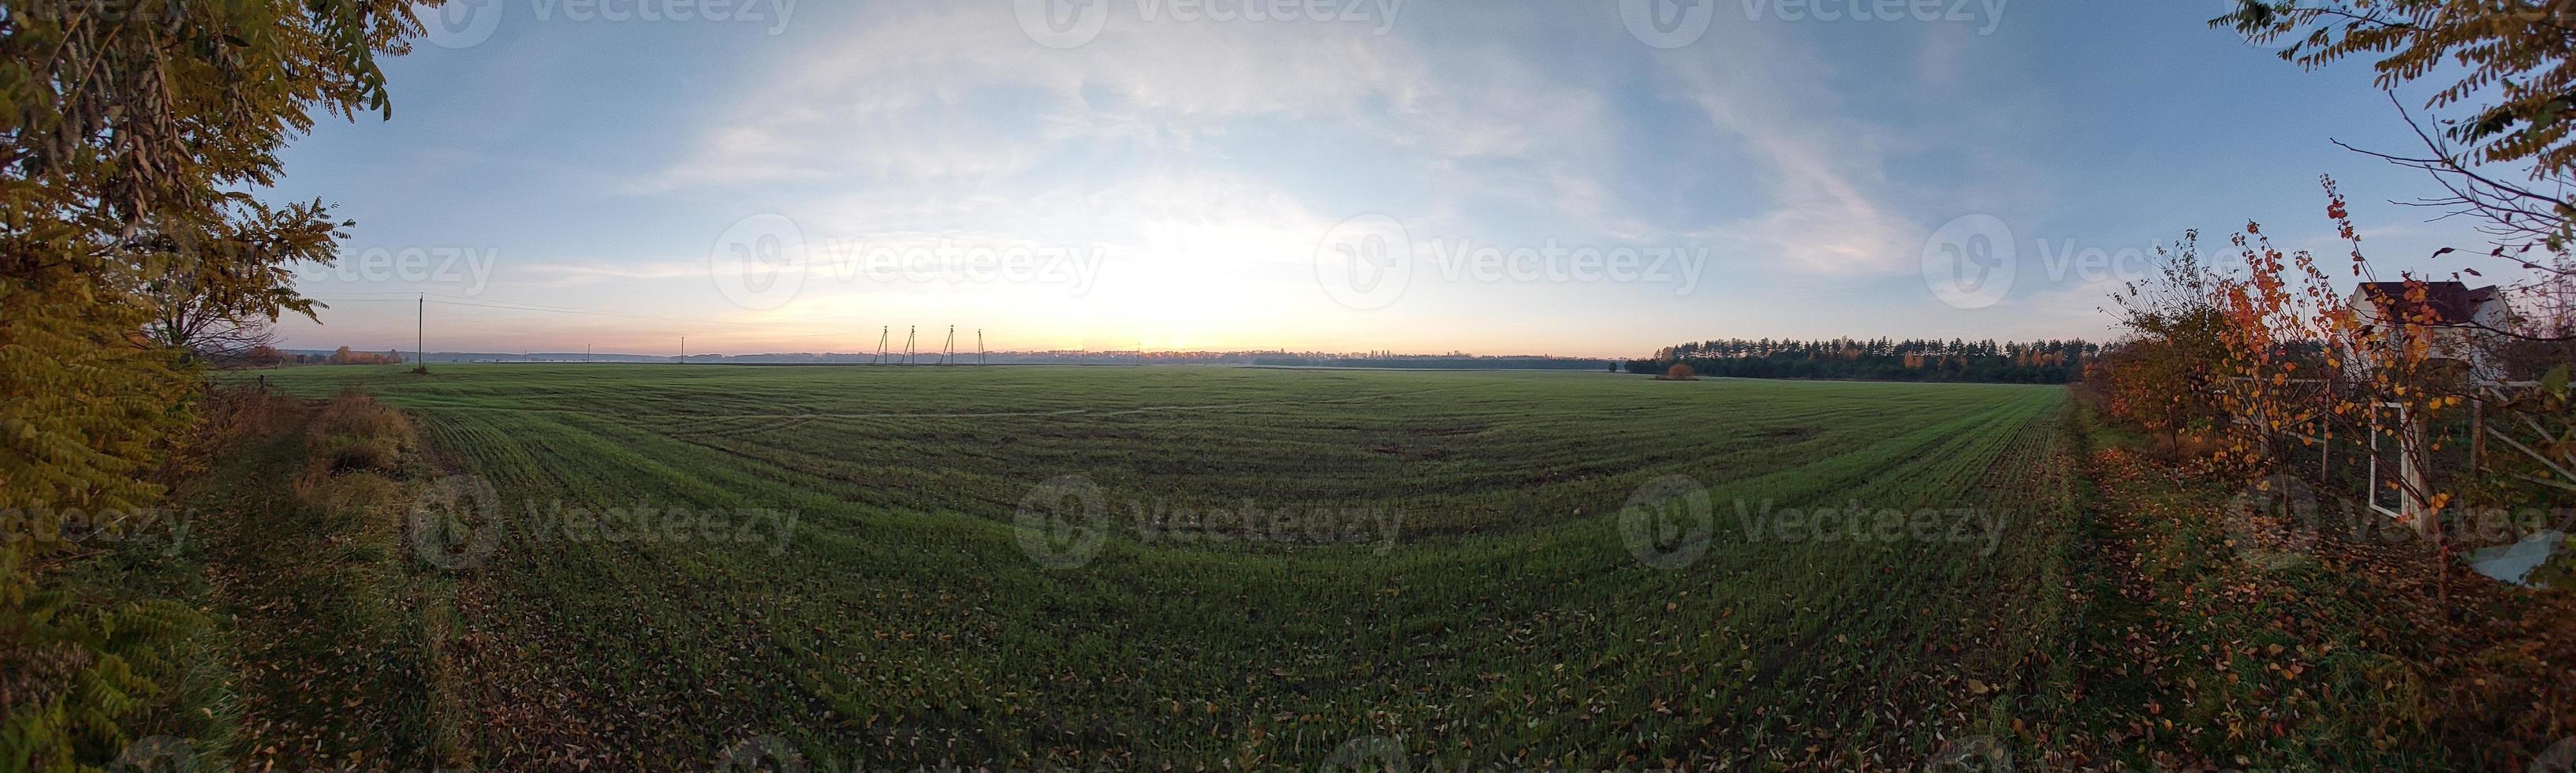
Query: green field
(1441, 565)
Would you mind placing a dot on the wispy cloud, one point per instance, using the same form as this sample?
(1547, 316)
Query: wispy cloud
(1823, 171)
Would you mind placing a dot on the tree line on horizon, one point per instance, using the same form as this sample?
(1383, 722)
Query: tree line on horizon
(2054, 361)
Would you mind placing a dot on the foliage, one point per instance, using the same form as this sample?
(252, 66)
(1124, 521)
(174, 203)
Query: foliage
(2514, 51)
(121, 123)
(2165, 375)
(2506, 89)
(2279, 364)
(319, 644)
(343, 356)
(225, 285)
(1881, 359)
(2351, 653)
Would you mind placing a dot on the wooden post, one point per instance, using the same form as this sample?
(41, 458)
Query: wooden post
(2411, 463)
(2370, 471)
(2477, 432)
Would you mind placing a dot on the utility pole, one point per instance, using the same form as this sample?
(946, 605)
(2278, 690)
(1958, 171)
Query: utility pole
(911, 333)
(684, 350)
(882, 333)
(420, 346)
(980, 357)
(948, 351)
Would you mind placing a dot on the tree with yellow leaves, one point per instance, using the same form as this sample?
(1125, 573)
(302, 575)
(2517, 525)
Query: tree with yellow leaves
(129, 133)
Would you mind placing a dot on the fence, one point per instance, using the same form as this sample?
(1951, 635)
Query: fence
(2402, 456)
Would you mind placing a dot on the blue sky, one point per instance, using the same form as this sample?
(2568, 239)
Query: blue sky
(1531, 178)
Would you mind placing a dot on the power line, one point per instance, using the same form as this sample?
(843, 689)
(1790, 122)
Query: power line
(518, 306)
(420, 300)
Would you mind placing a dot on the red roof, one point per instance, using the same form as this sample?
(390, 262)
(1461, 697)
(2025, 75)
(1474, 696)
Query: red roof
(2444, 303)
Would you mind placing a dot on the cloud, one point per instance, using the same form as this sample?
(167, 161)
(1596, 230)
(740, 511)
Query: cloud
(1823, 171)
(1214, 156)
(957, 94)
(579, 272)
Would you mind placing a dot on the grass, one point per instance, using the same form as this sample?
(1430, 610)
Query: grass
(2361, 648)
(310, 642)
(1451, 578)
(1191, 568)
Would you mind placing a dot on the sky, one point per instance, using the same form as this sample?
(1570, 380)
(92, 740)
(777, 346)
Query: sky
(1591, 178)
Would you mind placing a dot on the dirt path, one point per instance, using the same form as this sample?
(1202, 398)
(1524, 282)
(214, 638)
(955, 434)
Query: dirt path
(325, 649)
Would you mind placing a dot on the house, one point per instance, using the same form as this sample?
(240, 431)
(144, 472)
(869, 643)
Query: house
(2460, 323)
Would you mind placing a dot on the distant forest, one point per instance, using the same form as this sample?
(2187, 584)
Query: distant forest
(1880, 359)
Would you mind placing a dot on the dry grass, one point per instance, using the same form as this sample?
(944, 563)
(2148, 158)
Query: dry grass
(356, 418)
(356, 449)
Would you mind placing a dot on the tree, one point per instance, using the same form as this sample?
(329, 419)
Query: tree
(123, 123)
(2502, 109)
(225, 286)
(257, 356)
(2504, 151)
(2511, 53)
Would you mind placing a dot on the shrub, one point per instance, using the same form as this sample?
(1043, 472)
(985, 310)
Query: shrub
(354, 436)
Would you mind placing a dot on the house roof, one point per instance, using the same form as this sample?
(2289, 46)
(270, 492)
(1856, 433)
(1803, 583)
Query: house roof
(2444, 303)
